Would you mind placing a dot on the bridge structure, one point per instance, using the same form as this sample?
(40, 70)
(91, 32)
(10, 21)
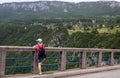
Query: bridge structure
(87, 60)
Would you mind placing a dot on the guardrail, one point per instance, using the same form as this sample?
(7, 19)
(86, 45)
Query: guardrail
(62, 57)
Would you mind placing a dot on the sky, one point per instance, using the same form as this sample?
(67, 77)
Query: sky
(6, 1)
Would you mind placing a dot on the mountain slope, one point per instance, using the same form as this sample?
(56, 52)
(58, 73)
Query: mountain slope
(56, 9)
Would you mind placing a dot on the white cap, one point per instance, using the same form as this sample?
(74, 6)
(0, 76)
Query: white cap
(39, 39)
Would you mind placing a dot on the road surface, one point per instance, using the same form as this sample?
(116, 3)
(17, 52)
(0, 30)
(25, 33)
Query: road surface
(105, 74)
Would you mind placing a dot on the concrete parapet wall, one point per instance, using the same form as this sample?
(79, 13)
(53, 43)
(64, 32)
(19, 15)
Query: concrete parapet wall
(63, 53)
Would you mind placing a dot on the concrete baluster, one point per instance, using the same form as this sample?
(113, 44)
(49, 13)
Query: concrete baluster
(35, 65)
(62, 60)
(111, 58)
(99, 64)
(2, 62)
(83, 66)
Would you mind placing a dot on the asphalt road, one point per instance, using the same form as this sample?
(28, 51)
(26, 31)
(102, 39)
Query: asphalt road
(105, 74)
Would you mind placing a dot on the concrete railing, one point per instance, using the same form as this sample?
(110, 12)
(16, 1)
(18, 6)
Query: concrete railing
(63, 55)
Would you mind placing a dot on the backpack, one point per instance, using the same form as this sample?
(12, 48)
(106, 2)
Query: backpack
(41, 52)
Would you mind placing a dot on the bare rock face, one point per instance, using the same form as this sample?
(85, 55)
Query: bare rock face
(57, 8)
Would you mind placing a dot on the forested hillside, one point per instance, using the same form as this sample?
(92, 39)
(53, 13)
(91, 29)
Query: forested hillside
(57, 9)
(81, 33)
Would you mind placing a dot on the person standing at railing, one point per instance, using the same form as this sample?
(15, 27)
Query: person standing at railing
(40, 53)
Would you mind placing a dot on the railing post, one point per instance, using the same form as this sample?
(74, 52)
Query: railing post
(62, 60)
(83, 65)
(99, 59)
(80, 54)
(35, 65)
(2, 62)
(111, 58)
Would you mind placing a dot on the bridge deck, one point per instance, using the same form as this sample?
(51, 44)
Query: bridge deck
(71, 72)
(105, 74)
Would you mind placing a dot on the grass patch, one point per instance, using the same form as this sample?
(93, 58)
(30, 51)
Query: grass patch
(108, 30)
(102, 30)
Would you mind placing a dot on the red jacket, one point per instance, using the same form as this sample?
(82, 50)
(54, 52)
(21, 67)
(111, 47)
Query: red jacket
(37, 47)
